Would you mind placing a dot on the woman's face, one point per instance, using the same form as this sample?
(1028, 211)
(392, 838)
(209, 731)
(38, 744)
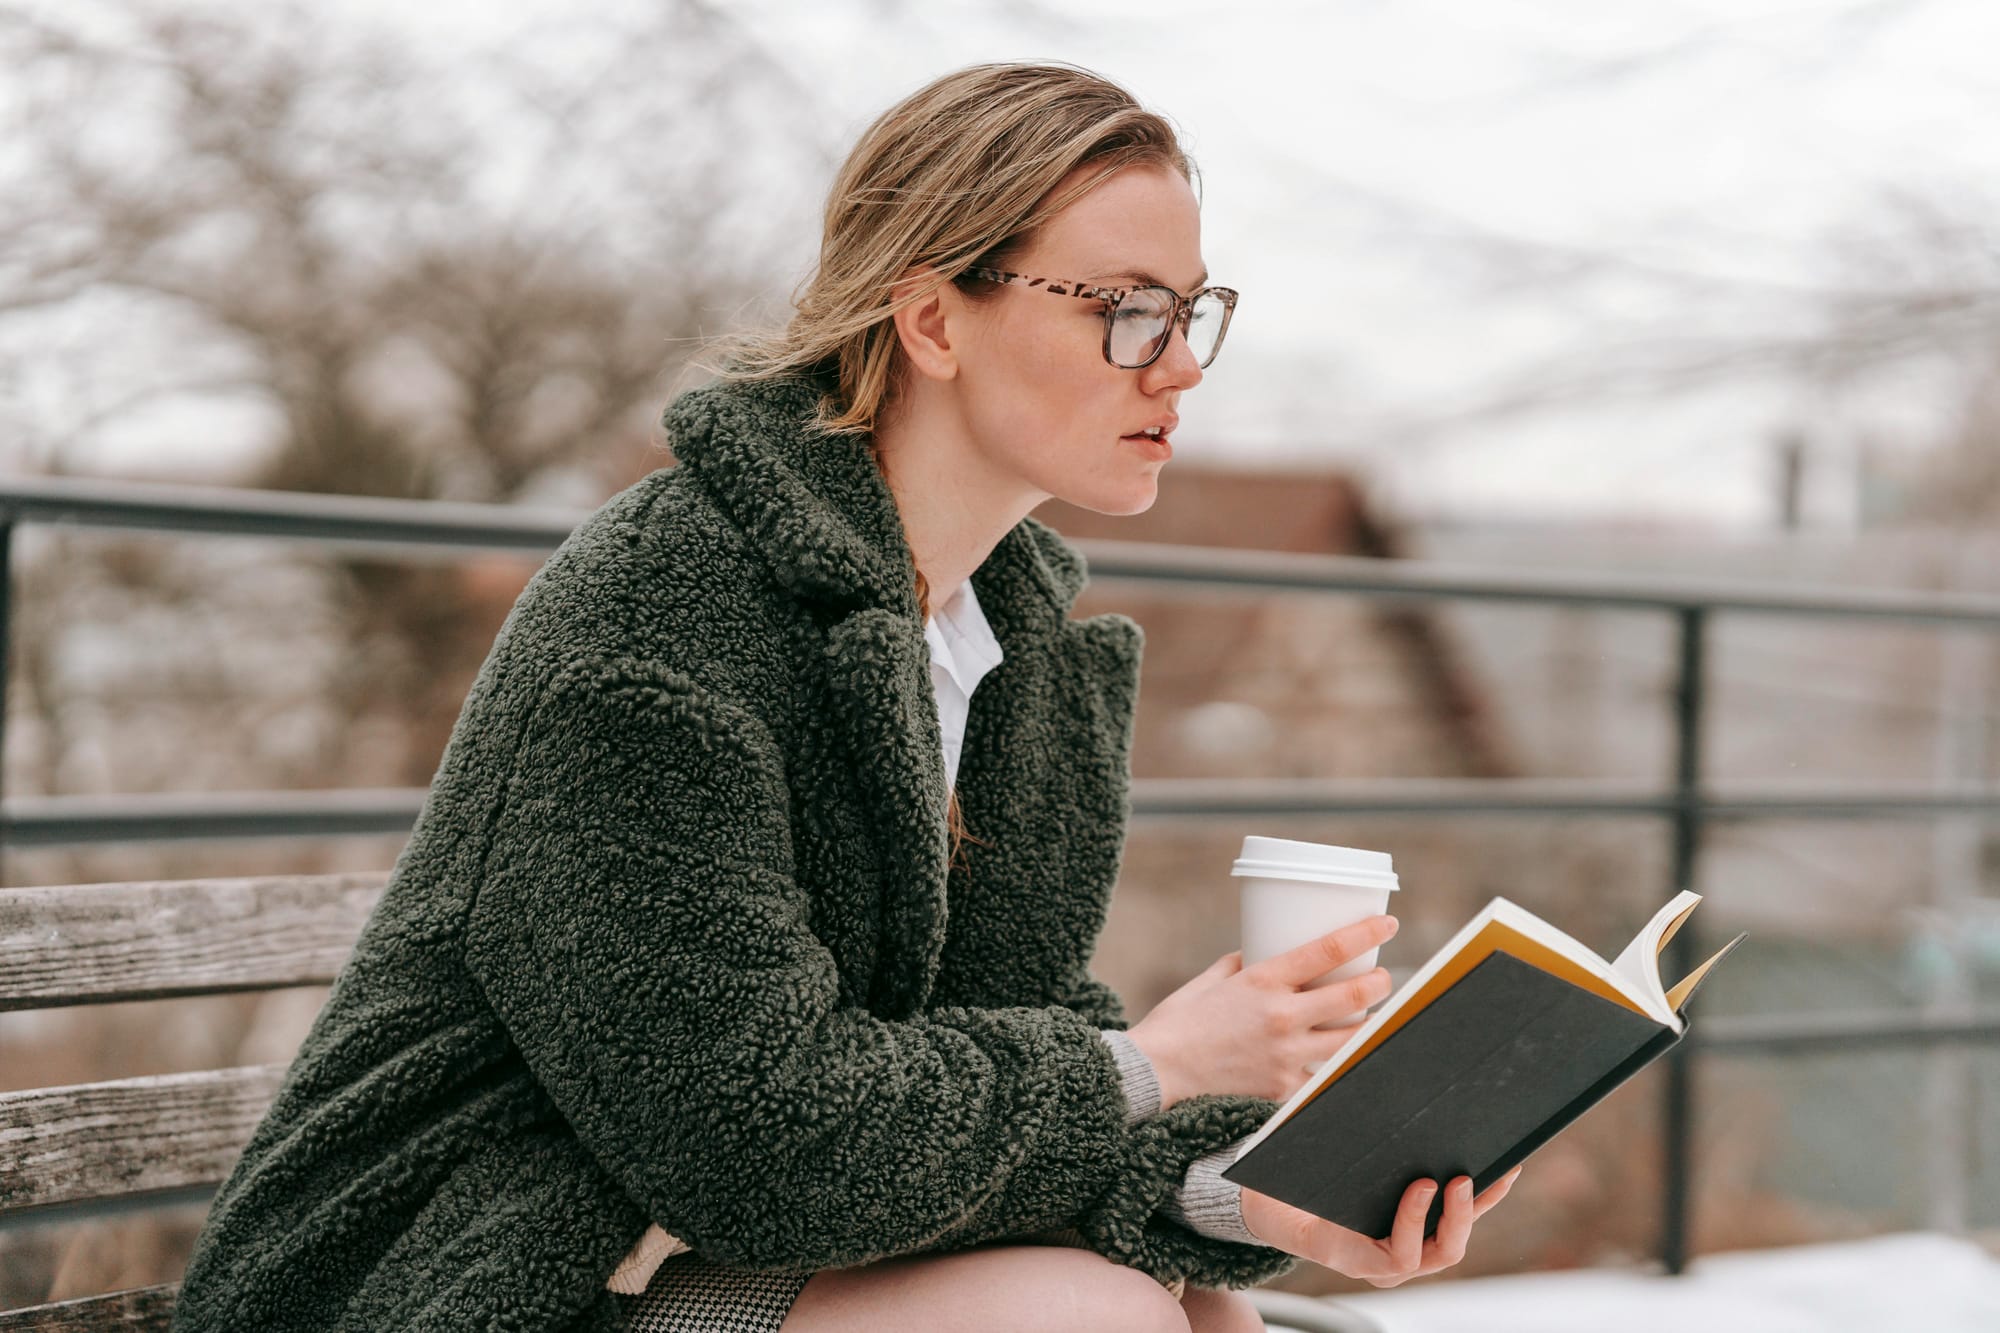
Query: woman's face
(1039, 399)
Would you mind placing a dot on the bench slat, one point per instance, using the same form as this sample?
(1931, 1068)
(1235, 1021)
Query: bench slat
(128, 1136)
(139, 1310)
(89, 943)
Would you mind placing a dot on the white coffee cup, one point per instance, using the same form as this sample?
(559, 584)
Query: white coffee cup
(1295, 891)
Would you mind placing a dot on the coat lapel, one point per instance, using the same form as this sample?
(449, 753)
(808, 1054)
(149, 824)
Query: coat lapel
(878, 682)
(1044, 783)
(821, 515)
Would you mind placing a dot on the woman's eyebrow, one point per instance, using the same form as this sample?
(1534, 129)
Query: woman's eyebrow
(1140, 275)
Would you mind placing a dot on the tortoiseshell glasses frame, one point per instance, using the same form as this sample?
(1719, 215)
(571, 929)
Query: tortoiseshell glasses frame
(1143, 312)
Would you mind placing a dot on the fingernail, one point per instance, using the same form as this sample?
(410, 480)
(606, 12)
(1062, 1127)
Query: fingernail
(1464, 1189)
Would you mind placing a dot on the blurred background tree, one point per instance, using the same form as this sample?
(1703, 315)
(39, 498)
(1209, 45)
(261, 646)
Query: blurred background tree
(475, 282)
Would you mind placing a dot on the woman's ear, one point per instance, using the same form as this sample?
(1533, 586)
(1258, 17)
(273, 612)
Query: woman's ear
(924, 327)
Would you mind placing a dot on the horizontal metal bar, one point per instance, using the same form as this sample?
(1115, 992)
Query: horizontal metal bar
(422, 524)
(50, 821)
(288, 515)
(1188, 798)
(1805, 1034)
(99, 1210)
(1196, 568)
(63, 820)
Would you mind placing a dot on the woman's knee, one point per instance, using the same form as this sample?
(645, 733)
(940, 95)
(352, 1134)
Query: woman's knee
(995, 1289)
(1213, 1310)
(1128, 1301)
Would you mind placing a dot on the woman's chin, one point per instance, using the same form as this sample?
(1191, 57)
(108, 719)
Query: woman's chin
(1133, 495)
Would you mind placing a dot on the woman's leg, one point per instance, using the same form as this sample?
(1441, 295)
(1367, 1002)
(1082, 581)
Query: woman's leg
(992, 1289)
(1215, 1310)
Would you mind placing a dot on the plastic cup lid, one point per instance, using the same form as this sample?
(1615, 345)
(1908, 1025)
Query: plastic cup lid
(1284, 858)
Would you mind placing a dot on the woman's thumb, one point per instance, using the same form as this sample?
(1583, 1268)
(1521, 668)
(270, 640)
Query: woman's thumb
(1227, 965)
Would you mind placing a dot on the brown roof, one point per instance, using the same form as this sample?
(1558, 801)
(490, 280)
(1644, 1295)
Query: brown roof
(1305, 512)
(1321, 512)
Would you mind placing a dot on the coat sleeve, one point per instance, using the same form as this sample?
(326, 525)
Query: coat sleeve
(1097, 1002)
(639, 931)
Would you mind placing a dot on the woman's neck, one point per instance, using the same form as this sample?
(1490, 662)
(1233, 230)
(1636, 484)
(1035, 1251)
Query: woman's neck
(955, 503)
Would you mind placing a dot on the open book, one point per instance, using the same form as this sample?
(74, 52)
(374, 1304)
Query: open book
(1509, 1033)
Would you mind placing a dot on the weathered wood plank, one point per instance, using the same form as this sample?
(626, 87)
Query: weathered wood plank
(86, 943)
(140, 1310)
(129, 1136)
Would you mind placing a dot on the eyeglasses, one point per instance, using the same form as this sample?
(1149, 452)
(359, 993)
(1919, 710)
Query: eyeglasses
(1139, 321)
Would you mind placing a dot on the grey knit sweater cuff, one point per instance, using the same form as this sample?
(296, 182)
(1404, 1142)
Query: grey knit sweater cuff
(1208, 1205)
(1135, 1071)
(1204, 1203)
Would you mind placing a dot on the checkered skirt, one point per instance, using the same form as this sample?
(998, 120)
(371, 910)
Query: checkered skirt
(690, 1294)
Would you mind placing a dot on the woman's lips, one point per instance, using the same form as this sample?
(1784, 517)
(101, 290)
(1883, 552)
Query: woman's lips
(1160, 448)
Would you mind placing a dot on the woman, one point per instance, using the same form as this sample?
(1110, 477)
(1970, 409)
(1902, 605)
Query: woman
(736, 972)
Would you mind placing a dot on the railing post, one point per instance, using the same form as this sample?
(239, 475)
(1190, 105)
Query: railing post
(6, 634)
(1949, 975)
(1683, 954)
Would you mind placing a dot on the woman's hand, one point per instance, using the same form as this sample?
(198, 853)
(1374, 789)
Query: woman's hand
(1252, 1030)
(1384, 1263)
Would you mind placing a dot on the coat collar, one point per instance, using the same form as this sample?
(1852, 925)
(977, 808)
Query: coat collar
(818, 509)
(815, 505)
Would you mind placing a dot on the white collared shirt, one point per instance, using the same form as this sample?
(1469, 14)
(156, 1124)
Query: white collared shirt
(963, 650)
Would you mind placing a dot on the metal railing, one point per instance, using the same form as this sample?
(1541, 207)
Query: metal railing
(1686, 803)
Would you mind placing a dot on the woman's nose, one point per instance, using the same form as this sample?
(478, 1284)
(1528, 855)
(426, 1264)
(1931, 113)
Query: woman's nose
(1176, 366)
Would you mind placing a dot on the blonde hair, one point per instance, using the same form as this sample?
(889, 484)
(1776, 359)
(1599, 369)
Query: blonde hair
(958, 174)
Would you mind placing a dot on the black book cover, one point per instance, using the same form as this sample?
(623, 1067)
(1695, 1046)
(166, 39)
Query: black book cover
(1468, 1086)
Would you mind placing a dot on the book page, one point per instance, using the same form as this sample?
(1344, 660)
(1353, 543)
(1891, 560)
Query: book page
(1502, 926)
(1640, 962)
(1681, 993)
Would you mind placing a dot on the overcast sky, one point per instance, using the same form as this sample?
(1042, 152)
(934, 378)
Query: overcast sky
(1371, 167)
(1423, 200)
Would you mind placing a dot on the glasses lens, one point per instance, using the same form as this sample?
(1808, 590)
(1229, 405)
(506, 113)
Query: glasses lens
(1138, 324)
(1205, 325)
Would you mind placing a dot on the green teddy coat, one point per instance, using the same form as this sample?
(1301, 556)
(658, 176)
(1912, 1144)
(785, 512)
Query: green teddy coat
(675, 939)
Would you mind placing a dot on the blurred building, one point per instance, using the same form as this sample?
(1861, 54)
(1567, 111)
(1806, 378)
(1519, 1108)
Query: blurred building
(1246, 684)
(1791, 699)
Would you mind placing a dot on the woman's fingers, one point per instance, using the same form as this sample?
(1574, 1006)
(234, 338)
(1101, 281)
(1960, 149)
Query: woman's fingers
(1409, 1255)
(1333, 1038)
(1455, 1227)
(1382, 1263)
(1406, 1238)
(1496, 1192)
(1349, 999)
(1321, 954)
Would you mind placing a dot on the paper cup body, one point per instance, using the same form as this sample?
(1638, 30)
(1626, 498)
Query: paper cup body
(1296, 891)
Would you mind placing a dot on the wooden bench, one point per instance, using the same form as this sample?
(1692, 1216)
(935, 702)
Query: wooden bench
(167, 1137)
(174, 1137)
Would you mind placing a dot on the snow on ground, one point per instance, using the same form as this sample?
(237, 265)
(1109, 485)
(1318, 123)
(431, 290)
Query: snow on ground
(1933, 1283)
